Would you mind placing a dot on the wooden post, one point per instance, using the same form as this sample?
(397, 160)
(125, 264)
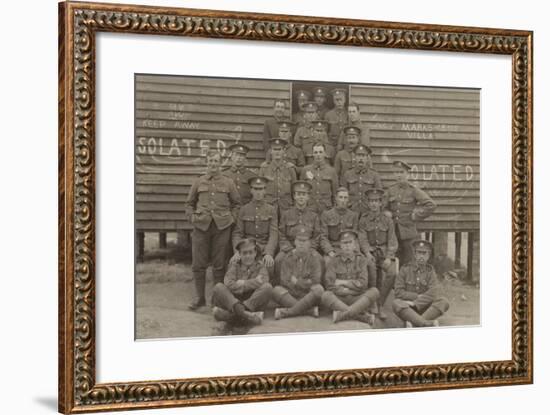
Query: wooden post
(162, 240)
(440, 242)
(473, 268)
(470, 258)
(458, 249)
(140, 246)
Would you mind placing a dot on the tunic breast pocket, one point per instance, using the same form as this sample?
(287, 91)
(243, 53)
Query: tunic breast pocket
(333, 225)
(289, 227)
(326, 185)
(248, 225)
(263, 224)
(203, 188)
(353, 185)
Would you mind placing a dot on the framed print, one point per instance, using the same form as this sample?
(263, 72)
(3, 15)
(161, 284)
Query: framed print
(259, 207)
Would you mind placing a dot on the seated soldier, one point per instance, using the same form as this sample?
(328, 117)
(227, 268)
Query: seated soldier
(377, 237)
(245, 290)
(350, 289)
(418, 298)
(300, 289)
(336, 220)
(259, 220)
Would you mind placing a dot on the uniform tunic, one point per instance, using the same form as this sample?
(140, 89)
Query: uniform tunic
(306, 267)
(298, 118)
(324, 182)
(258, 220)
(281, 175)
(377, 235)
(357, 181)
(241, 278)
(337, 120)
(350, 268)
(240, 176)
(290, 220)
(334, 221)
(404, 199)
(364, 139)
(293, 155)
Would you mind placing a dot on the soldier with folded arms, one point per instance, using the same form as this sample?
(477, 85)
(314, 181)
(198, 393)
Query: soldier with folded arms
(300, 289)
(350, 289)
(246, 290)
(418, 297)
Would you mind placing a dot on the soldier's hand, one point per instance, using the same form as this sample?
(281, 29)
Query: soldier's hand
(293, 280)
(332, 254)
(268, 261)
(388, 214)
(235, 258)
(260, 278)
(410, 302)
(386, 264)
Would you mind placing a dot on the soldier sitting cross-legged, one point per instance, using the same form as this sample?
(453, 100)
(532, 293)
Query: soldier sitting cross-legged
(300, 290)
(245, 290)
(350, 289)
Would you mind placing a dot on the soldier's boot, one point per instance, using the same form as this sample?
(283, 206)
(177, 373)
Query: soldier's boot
(248, 316)
(431, 314)
(411, 316)
(361, 305)
(385, 289)
(304, 305)
(222, 315)
(199, 300)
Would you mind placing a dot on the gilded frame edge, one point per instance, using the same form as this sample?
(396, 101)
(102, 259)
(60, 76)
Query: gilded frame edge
(78, 23)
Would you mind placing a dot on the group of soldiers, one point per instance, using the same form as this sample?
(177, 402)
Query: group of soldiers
(314, 226)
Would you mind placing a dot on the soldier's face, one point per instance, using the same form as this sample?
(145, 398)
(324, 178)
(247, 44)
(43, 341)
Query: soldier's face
(353, 139)
(279, 109)
(353, 113)
(258, 193)
(248, 255)
(213, 164)
(238, 159)
(302, 102)
(400, 174)
(339, 101)
(342, 199)
(302, 244)
(277, 153)
(347, 245)
(285, 134)
(362, 159)
(421, 255)
(310, 116)
(320, 100)
(319, 133)
(301, 198)
(374, 204)
(318, 154)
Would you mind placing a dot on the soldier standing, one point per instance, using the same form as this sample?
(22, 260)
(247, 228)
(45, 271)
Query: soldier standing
(336, 220)
(298, 215)
(280, 175)
(337, 117)
(354, 118)
(418, 300)
(304, 132)
(320, 98)
(345, 159)
(238, 172)
(377, 237)
(302, 98)
(258, 220)
(272, 124)
(323, 179)
(291, 154)
(406, 204)
(215, 202)
(300, 290)
(360, 178)
(319, 134)
(245, 290)
(350, 290)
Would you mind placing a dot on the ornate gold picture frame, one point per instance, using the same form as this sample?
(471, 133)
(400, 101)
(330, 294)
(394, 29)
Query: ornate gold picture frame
(78, 25)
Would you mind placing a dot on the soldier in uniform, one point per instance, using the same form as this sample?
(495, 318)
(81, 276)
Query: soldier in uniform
(298, 215)
(320, 98)
(337, 117)
(323, 179)
(215, 202)
(291, 153)
(280, 175)
(345, 158)
(350, 289)
(304, 132)
(238, 172)
(336, 220)
(360, 178)
(418, 298)
(246, 290)
(377, 237)
(319, 134)
(355, 120)
(272, 124)
(300, 290)
(302, 98)
(258, 220)
(406, 204)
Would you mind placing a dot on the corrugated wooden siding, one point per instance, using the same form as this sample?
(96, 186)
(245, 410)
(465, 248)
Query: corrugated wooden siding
(436, 130)
(177, 119)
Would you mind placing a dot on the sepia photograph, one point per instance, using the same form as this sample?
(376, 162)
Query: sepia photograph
(269, 206)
